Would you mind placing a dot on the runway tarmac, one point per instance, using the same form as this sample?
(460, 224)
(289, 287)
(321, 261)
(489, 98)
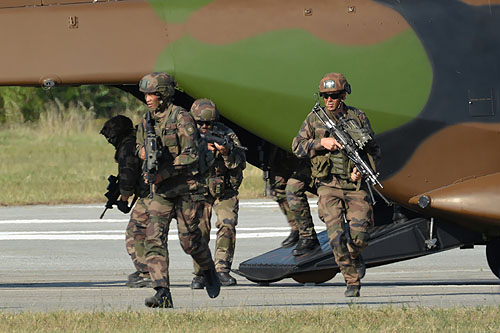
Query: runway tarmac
(65, 258)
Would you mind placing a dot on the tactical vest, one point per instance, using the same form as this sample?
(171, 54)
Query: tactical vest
(335, 163)
(166, 131)
(221, 178)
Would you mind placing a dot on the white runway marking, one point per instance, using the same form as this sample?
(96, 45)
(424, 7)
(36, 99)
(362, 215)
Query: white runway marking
(47, 221)
(120, 236)
(117, 231)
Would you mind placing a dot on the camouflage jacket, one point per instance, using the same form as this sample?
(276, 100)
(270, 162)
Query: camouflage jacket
(332, 167)
(179, 139)
(226, 169)
(130, 178)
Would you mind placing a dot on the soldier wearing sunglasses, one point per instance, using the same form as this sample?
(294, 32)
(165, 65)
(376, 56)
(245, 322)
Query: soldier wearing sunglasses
(342, 194)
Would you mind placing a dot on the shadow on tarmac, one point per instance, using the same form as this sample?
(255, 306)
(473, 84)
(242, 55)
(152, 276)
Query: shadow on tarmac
(121, 284)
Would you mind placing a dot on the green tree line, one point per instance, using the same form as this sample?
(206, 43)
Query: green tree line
(27, 104)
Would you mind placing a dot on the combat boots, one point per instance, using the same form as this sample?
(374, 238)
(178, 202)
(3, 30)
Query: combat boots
(226, 279)
(352, 291)
(198, 282)
(162, 299)
(291, 239)
(305, 246)
(134, 275)
(212, 282)
(139, 280)
(360, 266)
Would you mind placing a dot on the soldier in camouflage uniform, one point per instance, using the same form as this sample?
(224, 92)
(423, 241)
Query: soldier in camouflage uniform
(178, 189)
(223, 180)
(280, 165)
(120, 132)
(290, 179)
(339, 183)
(296, 186)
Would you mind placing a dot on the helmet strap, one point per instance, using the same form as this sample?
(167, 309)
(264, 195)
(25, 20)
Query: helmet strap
(163, 104)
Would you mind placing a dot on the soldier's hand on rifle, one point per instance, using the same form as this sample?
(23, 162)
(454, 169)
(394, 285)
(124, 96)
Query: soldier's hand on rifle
(223, 150)
(330, 144)
(122, 204)
(211, 147)
(355, 175)
(158, 179)
(142, 153)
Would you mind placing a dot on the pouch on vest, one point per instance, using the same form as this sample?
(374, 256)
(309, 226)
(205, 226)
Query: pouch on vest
(235, 178)
(215, 186)
(321, 166)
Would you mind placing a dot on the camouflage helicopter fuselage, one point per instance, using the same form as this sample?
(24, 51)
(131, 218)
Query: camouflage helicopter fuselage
(426, 72)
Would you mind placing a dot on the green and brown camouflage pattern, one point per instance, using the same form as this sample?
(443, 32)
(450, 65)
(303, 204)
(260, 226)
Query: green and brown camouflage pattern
(332, 167)
(426, 72)
(187, 209)
(290, 179)
(360, 216)
(223, 180)
(158, 82)
(333, 82)
(204, 110)
(179, 143)
(298, 205)
(179, 194)
(226, 208)
(135, 235)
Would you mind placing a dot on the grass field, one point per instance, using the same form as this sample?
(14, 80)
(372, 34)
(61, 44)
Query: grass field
(54, 163)
(51, 165)
(352, 319)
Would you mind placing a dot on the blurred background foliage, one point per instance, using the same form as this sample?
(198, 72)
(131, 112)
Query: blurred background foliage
(29, 104)
(53, 152)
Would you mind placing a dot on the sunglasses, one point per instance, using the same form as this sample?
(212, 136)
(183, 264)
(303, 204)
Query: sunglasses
(335, 95)
(201, 123)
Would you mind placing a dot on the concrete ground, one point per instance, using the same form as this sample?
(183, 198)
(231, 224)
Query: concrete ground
(64, 257)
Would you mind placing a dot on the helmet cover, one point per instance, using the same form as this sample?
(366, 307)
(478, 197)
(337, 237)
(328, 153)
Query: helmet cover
(158, 82)
(204, 110)
(334, 82)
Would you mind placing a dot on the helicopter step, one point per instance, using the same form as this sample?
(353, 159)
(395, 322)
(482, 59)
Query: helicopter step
(388, 244)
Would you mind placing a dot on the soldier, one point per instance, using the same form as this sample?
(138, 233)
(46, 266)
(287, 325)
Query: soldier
(296, 186)
(178, 189)
(290, 179)
(339, 183)
(281, 168)
(120, 132)
(223, 180)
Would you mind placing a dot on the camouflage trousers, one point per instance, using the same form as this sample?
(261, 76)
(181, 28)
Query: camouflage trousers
(359, 213)
(226, 208)
(135, 236)
(278, 193)
(187, 209)
(299, 206)
(290, 194)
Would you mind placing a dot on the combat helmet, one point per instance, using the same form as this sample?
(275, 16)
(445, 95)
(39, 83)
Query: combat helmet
(334, 82)
(159, 83)
(204, 110)
(116, 129)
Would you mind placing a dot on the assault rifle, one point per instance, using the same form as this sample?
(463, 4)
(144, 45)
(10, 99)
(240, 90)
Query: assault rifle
(152, 153)
(113, 194)
(220, 139)
(352, 149)
(264, 165)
